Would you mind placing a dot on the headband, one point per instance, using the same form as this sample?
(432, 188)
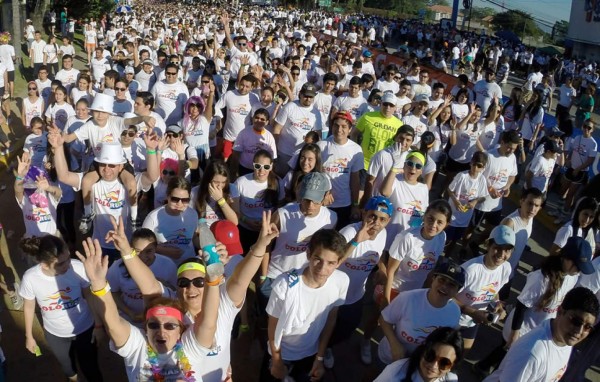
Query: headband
(164, 311)
(416, 154)
(189, 266)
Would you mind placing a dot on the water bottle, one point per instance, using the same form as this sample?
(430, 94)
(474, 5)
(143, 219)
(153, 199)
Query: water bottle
(214, 266)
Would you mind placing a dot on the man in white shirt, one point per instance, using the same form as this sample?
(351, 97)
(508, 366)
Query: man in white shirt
(486, 90)
(67, 75)
(543, 354)
(36, 52)
(170, 96)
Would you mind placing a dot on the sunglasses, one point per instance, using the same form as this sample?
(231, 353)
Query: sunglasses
(175, 62)
(172, 134)
(478, 165)
(107, 165)
(130, 134)
(167, 325)
(31, 88)
(167, 172)
(120, 89)
(295, 73)
(579, 323)
(242, 44)
(258, 166)
(443, 363)
(206, 82)
(387, 104)
(175, 199)
(171, 73)
(184, 282)
(412, 164)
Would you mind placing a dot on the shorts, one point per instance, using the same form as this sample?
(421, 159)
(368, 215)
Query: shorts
(379, 297)
(454, 233)
(456, 167)
(492, 217)
(227, 148)
(90, 45)
(580, 178)
(11, 76)
(469, 333)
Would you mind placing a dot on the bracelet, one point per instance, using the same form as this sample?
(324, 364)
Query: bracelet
(221, 202)
(101, 292)
(396, 170)
(131, 255)
(17, 177)
(319, 359)
(263, 278)
(354, 243)
(150, 152)
(215, 282)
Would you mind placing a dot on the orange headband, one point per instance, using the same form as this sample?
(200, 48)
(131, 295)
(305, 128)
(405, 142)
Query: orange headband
(164, 311)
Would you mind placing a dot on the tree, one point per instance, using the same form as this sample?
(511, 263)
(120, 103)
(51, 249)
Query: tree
(519, 22)
(440, 2)
(478, 13)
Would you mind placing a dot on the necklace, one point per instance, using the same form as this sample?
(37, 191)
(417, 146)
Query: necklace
(182, 361)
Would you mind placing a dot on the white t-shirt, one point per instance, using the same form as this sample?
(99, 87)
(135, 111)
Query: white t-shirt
(532, 292)
(349, 104)
(396, 371)
(67, 77)
(7, 53)
(51, 51)
(249, 141)
(196, 133)
(417, 123)
(533, 358)
(213, 212)
(302, 340)
(65, 312)
(296, 121)
(497, 172)
(59, 114)
(173, 230)
(581, 149)
(466, 189)
(170, 100)
(465, 146)
(135, 354)
(485, 93)
(238, 113)
(252, 203)
(410, 203)
(417, 257)
(481, 286)
(119, 279)
(39, 214)
(37, 146)
(542, 169)
(414, 318)
(31, 110)
(38, 51)
(360, 263)
(295, 231)
(339, 162)
(111, 132)
(566, 231)
(566, 95)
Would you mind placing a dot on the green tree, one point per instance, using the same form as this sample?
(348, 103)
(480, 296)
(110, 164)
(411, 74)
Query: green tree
(478, 13)
(521, 23)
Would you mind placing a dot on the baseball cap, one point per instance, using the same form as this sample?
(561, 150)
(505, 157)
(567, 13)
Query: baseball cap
(579, 251)
(314, 186)
(389, 97)
(422, 98)
(449, 269)
(381, 204)
(503, 235)
(227, 233)
(129, 70)
(174, 129)
(367, 53)
(309, 89)
(555, 132)
(147, 62)
(552, 146)
(344, 115)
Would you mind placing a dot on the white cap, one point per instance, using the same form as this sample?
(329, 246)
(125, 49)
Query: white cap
(103, 102)
(111, 153)
(389, 97)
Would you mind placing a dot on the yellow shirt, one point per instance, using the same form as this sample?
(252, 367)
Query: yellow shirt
(378, 132)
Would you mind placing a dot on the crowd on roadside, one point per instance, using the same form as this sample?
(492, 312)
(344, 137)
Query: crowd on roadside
(353, 192)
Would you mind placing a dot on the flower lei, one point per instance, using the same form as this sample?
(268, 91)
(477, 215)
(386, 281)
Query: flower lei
(5, 37)
(182, 361)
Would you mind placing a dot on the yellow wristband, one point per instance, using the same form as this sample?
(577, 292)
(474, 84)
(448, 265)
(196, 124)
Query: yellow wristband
(130, 256)
(221, 202)
(102, 291)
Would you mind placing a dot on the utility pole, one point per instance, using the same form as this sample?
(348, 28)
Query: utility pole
(17, 30)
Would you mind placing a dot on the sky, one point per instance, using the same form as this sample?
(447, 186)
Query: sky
(547, 10)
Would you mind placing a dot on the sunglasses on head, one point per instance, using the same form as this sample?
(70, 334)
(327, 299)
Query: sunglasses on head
(172, 134)
(168, 172)
(184, 282)
(443, 363)
(175, 199)
(167, 325)
(412, 164)
(130, 134)
(258, 166)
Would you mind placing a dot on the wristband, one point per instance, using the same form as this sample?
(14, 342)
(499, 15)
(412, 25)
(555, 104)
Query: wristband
(320, 359)
(354, 243)
(101, 292)
(150, 152)
(263, 278)
(396, 170)
(17, 177)
(221, 202)
(131, 255)
(215, 282)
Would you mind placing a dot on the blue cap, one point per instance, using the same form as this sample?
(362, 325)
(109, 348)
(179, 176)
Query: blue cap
(503, 235)
(381, 204)
(579, 251)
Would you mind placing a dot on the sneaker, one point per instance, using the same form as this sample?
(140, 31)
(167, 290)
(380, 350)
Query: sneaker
(16, 299)
(85, 224)
(365, 352)
(329, 360)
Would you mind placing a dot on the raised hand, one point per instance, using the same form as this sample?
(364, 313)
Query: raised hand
(178, 147)
(42, 183)
(151, 140)
(55, 139)
(24, 163)
(268, 230)
(117, 235)
(215, 192)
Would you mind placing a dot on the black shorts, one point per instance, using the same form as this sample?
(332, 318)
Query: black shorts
(456, 167)
(492, 217)
(580, 178)
(11, 76)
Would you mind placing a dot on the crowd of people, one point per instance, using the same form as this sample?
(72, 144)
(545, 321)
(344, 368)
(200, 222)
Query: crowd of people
(352, 192)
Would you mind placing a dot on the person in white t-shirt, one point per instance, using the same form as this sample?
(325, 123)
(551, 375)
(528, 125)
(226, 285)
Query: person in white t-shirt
(36, 52)
(582, 225)
(303, 309)
(61, 288)
(414, 313)
(352, 101)
(541, 296)
(250, 140)
(541, 168)
(486, 275)
(127, 294)
(543, 354)
(68, 75)
(431, 361)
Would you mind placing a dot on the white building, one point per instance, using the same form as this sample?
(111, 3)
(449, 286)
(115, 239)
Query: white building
(584, 29)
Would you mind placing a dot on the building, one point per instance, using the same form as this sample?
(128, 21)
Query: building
(440, 12)
(584, 29)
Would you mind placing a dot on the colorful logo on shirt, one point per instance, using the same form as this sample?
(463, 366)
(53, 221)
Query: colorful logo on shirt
(299, 246)
(559, 374)
(40, 215)
(111, 200)
(108, 138)
(338, 166)
(241, 109)
(417, 340)
(60, 300)
(302, 123)
(363, 264)
(169, 94)
(487, 293)
(178, 237)
(425, 263)
(500, 178)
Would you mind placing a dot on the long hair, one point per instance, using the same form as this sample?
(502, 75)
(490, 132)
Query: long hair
(297, 175)
(214, 167)
(585, 203)
(271, 196)
(551, 268)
